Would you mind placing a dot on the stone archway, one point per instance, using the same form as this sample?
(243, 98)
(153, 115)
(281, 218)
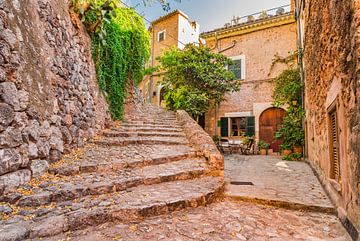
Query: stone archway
(269, 123)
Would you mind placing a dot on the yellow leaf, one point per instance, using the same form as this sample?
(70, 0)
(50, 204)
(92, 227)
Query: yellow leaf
(133, 228)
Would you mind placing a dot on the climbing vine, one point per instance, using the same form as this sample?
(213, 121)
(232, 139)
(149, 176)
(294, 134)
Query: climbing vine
(120, 47)
(289, 61)
(288, 92)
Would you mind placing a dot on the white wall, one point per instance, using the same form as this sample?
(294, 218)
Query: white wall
(187, 32)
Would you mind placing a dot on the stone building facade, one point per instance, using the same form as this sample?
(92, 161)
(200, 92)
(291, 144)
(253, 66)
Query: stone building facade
(172, 30)
(332, 93)
(253, 44)
(49, 99)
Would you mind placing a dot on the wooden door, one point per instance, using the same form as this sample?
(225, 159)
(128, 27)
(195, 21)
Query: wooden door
(270, 122)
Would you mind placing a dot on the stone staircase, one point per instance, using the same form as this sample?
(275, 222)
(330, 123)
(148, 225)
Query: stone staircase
(143, 167)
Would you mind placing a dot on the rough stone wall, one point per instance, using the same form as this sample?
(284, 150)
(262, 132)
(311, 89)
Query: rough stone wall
(49, 100)
(333, 76)
(202, 142)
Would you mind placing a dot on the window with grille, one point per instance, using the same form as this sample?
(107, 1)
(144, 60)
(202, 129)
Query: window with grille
(334, 146)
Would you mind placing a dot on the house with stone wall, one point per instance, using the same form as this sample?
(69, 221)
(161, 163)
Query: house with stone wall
(331, 50)
(172, 30)
(253, 43)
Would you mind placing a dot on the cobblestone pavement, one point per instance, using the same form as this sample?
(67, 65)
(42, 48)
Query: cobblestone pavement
(283, 183)
(228, 221)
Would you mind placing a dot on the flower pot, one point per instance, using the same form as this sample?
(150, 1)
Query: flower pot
(286, 152)
(298, 149)
(270, 151)
(263, 152)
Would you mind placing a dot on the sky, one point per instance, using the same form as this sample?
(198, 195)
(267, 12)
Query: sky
(210, 14)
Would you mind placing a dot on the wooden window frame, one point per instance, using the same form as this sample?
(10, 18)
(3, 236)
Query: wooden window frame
(334, 179)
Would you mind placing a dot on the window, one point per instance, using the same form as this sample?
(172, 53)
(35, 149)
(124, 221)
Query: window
(161, 35)
(242, 126)
(238, 67)
(334, 144)
(237, 126)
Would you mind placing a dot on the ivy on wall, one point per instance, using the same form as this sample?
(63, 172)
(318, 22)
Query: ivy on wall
(120, 47)
(287, 92)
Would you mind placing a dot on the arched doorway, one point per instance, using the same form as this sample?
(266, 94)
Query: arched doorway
(161, 98)
(269, 123)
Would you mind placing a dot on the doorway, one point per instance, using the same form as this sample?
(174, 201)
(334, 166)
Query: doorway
(269, 123)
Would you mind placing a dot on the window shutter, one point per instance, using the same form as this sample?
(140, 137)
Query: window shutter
(250, 126)
(335, 146)
(224, 130)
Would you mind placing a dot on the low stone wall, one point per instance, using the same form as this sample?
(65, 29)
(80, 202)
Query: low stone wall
(49, 98)
(201, 141)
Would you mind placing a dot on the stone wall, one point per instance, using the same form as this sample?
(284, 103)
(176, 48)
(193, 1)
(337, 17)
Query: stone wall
(332, 72)
(49, 99)
(202, 142)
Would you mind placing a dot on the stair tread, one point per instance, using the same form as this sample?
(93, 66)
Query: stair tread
(97, 158)
(130, 205)
(132, 133)
(141, 140)
(60, 188)
(148, 129)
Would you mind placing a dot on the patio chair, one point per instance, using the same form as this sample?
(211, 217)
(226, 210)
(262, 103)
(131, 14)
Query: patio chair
(224, 146)
(246, 149)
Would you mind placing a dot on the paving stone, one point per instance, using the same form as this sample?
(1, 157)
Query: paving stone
(218, 222)
(276, 182)
(14, 232)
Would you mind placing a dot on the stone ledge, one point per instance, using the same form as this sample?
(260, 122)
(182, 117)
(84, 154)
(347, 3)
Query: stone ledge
(201, 141)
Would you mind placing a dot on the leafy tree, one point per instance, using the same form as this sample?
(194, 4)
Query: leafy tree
(196, 79)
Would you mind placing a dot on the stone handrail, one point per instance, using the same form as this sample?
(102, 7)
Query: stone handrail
(201, 141)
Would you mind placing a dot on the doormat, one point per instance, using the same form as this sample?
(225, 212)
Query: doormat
(242, 183)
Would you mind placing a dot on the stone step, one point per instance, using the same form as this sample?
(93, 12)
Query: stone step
(132, 205)
(147, 129)
(97, 161)
(150, 120)
(64, 188)
(119, 141)
(119, 133)
(130, 125)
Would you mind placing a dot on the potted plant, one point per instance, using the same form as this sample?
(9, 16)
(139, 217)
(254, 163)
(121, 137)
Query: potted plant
(263, 146)
(245, 140)
(298, 149)
(216, 139)
(285, 149)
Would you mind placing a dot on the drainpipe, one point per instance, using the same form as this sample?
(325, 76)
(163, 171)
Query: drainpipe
(234, 42)
(300, 61)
